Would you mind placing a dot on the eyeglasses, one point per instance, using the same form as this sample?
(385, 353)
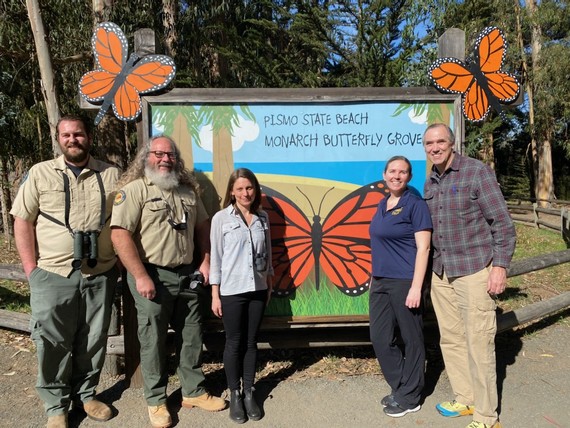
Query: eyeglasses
(160, 155)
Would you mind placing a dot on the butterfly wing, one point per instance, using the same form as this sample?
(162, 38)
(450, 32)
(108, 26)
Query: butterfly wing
(151, 73)
(291, 242)
(451, 75)
(475, 103)
(345, 255)
(110, 49)
(491, 47)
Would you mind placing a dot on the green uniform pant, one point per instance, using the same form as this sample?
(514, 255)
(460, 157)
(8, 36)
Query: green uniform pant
(183, 314)
(69, 323)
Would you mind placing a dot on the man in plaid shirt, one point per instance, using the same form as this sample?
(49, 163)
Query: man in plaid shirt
(473, 241)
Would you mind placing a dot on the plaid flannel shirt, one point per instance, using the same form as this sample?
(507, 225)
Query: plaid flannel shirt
(471, 224)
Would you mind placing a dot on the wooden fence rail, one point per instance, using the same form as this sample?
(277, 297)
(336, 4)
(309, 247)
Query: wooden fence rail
(275, 327)
(550, 218)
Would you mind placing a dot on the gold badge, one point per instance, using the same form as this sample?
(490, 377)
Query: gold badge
(120, 198)
(396, 212)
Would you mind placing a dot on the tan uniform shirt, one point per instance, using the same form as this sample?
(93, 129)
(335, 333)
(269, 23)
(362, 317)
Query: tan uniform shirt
(43, 191)
(144, 209)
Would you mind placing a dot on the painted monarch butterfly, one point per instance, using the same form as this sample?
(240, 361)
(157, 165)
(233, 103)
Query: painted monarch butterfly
(480, 81)
(117, 81)
(340, 244)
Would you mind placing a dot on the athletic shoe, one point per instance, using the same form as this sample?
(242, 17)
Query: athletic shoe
(388, 401)
(396, 411)
(453, 409)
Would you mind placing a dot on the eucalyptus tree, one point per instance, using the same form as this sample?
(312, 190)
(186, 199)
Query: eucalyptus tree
(544, 39)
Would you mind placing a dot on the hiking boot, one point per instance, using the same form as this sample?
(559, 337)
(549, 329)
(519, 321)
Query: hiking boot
(388, 400)
(396, 411)
(453, 409)
(57, 421)
(159, 416)
(477, 424)
(205, 401)
(97, 410)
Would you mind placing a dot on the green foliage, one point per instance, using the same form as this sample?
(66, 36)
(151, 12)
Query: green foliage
(285, 44)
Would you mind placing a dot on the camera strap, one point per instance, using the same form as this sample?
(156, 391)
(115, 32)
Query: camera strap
(67, 192)
(249, 230)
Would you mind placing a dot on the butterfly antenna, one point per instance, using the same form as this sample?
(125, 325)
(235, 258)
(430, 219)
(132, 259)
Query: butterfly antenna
(311, 205)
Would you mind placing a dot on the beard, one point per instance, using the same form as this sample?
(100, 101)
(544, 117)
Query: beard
(164, 180)
(77, 156)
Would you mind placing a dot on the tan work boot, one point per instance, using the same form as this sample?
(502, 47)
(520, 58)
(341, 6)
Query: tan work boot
(57, 421)
(205, 401)
(159, 416)
(97, 410)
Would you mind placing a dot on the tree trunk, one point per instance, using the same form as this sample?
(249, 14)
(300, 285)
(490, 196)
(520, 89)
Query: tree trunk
(487, 152)
(542, 153)
(49, 90)
(5, 202)
(545, 182)
(170, 12)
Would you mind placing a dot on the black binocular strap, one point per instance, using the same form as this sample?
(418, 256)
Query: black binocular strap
(67, 192)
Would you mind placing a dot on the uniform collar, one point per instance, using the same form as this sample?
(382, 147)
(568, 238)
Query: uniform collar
(91, 164)
(402, 201)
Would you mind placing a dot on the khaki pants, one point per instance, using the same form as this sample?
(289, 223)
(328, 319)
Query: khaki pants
(467, 325)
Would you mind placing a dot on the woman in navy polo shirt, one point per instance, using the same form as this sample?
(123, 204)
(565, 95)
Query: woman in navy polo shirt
(400, 235)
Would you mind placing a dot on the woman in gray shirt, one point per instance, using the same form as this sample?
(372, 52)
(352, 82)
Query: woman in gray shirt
(240, 275)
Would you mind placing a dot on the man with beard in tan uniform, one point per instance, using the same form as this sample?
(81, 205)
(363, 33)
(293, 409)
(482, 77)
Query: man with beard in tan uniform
(63, 238)
(156, 215)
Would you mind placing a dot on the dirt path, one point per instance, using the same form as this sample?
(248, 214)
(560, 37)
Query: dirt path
(534, 376)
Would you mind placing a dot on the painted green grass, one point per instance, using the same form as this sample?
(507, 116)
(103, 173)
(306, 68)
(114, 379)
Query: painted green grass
(327, 300)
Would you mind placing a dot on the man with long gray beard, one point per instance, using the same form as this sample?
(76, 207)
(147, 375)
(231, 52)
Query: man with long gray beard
(157, 214)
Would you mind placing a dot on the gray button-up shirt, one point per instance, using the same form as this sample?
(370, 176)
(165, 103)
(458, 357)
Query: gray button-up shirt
(234, 247)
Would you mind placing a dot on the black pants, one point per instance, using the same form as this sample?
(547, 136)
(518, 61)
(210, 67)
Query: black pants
(242, 315)
(402, 369)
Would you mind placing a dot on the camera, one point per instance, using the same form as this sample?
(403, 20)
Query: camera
(261, 262)
(84, 247)
(191, 282)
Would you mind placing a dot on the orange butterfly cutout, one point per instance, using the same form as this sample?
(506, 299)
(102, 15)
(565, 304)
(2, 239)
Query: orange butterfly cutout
(340, 244)
(480, 81)
(118, 82)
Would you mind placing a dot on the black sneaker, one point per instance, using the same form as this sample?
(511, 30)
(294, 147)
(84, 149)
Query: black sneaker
(396, 411)
(388, 401)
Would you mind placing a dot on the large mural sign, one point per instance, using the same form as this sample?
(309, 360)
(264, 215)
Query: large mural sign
(320, 162)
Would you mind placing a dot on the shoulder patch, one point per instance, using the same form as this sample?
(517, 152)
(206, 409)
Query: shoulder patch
(24, 178)
(120, 197)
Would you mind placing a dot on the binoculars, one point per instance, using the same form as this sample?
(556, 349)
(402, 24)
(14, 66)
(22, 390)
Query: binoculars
(84, 247)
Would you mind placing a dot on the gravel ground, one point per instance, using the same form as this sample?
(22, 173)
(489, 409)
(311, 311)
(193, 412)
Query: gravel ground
(533, 369)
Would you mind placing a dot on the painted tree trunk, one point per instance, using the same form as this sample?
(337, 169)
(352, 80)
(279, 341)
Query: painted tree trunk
(223, 159)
